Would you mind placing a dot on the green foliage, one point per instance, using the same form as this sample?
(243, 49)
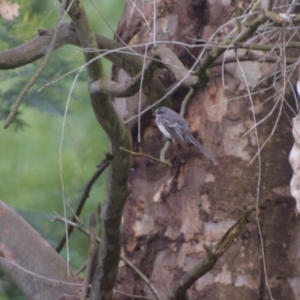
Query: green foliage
(48, 99)
(18, 122)
(33, 14)
(9, 289)
(30, 173)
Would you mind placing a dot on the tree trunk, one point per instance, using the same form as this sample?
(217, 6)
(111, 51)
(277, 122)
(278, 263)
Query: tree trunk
(172, 213)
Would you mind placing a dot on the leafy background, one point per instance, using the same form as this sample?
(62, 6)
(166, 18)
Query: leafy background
(29, 166)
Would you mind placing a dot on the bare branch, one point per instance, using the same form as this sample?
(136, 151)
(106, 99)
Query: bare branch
(36, 48)
(123, 258)
(21, 247)
(175, 66)
(251, 56)
(130, 88)
(211, 56)
(163, 152)
(163, 162)
(131, 296)
(33, 79)
(212, 256)
(185, 101)
(92, 252)
(86, 193)
(118, 187)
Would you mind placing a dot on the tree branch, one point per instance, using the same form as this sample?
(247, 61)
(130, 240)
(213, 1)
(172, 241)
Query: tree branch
(122, 257)
(212, 256)
(92, 252)
(36, 47)
(130, 88)
(117, 181)
(30, 262)
(141, 154)
(212, 55)
(86, 193)
(251, 56)
(38, 72)
(175, 66)
(126, 59)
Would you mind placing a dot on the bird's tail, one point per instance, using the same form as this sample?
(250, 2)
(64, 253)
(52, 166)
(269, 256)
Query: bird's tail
(200, 147)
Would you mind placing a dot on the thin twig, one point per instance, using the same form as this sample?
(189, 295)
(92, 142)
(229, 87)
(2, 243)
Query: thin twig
(263, 119)
(92, 251)
(142, 276)
(132, 296)
(163, 152)
(35, 275)
(258, 184)
(165, 163)
(185, 101)
(86, 193)
(81, 269)
(140, 95)
(80, 227)
(34, 78)
(154, 23)
(141, 13)
(279, 113)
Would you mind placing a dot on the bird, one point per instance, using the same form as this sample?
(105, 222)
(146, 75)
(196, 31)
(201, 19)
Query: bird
(173, 125)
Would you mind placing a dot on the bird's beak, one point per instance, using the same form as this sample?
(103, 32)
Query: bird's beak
(154, 114)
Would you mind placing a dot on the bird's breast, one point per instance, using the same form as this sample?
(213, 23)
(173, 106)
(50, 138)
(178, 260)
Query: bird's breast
(163, 129)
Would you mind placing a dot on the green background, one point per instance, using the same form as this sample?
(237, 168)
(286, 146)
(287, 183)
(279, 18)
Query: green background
(29, 166)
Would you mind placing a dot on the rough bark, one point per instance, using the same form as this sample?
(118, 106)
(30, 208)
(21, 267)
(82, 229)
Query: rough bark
(171, 214)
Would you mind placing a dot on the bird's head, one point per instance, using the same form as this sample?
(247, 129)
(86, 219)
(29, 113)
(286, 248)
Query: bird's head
(159, 111)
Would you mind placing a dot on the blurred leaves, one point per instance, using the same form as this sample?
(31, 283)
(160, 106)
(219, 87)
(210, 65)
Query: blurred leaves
(33, 15)
(29, 169)
(48, 100)
(9, 11)
(9, 289)
(18, 123)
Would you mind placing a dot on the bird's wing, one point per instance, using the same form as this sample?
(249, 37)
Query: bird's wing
(175, 130)
(190, 138)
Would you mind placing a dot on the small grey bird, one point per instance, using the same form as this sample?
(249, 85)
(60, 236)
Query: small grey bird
(173, 125)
